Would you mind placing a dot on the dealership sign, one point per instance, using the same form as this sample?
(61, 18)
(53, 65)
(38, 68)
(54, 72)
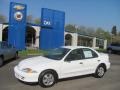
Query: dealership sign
(17, 25)
(18, 7)
(46, 22)
(18, 16)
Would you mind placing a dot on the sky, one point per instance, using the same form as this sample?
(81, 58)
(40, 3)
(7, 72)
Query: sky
(88, 13)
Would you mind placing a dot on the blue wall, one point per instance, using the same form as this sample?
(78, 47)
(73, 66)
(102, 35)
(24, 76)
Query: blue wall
(17, 28)
(52, 29)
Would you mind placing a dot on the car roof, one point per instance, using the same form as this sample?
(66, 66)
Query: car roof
(74, 47)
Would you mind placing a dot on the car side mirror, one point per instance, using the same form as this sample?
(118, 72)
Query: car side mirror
(68, 59)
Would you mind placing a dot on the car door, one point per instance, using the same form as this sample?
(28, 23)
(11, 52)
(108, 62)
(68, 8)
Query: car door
(5, 51)
(91, 60)
(115, 46)
(73, 64)
(118, 47)
(11, 50)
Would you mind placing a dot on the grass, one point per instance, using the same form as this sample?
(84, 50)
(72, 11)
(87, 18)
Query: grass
(31, 52)
(101, 50)
(41, 52)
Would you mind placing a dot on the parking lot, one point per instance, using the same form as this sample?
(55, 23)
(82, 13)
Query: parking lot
(111, 80)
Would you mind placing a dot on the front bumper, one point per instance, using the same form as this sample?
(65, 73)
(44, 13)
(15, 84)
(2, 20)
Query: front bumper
(26, 77)
(108, 65)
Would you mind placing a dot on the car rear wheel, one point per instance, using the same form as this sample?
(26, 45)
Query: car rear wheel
(1, 61)
(47, 79)
(100, 71)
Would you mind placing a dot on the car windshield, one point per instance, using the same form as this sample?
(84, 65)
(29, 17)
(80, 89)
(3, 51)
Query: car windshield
(57, 54)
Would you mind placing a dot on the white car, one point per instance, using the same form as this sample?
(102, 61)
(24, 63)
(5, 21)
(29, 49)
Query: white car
(64, 62)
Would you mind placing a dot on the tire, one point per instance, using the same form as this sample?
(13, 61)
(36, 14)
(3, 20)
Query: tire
(1, 61)
(47, 79)
(16, 55)
(100, 71)
(110, 51)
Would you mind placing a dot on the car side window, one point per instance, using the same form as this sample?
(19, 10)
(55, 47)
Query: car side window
(4, 45)
(9, 46)
(88, 53)
(115, 44)
(119, 44)
(76, 54)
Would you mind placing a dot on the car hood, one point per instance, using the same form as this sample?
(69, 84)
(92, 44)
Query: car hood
(35, 61)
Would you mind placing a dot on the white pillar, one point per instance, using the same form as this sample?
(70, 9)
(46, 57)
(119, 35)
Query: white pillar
(64, 37)
(37, 37)
(94, 43)
(74, 39)
(0, 32)
(105, 44)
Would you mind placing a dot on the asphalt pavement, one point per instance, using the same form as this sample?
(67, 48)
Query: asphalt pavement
(111, 80)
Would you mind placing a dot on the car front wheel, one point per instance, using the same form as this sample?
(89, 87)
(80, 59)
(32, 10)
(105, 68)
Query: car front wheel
(100, 71)
(47, 79)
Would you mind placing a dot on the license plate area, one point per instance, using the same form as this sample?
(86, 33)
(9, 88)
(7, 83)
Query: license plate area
(19, 76)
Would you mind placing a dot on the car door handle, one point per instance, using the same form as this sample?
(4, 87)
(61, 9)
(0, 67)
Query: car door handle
(81, 63)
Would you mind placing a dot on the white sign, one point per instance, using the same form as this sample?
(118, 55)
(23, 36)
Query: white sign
(18, 16)
(46, 22)
(88, 54)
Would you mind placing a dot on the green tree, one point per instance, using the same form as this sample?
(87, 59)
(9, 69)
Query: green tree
(107, 36)
(70, 28)
(29, 18)
(90, 31)
(119, 33)
(82, 30)
(2, 18)
(100, 32)
(114, 30)
(37, 21)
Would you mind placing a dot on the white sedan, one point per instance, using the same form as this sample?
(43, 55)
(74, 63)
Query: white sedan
(64, 62)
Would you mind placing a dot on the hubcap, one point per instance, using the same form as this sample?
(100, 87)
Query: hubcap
(48, 79)
(101, 71)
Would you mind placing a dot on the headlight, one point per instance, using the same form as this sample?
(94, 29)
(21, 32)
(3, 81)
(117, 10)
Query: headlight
(29, 70)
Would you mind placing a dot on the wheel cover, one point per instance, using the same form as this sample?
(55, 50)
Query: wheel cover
(48, 79)
(101, 71)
